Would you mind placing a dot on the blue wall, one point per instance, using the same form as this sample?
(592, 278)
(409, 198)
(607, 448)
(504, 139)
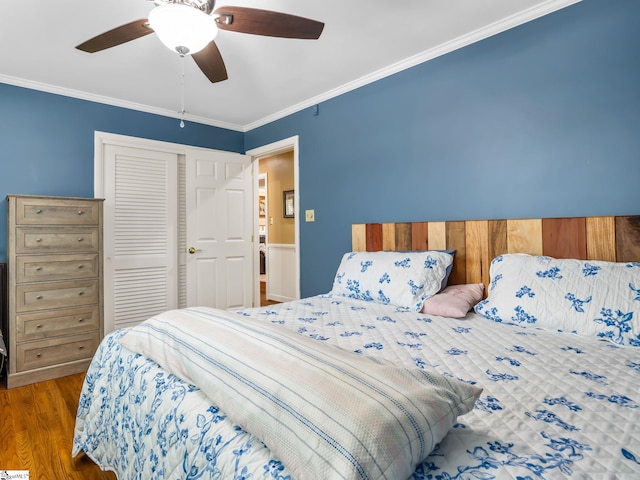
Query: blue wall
(541, 120)
(47, 142)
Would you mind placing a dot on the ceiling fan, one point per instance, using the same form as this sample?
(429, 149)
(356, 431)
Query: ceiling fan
(190, 26)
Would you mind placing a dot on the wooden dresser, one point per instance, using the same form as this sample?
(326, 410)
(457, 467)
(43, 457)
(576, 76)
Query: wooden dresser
(54, 256)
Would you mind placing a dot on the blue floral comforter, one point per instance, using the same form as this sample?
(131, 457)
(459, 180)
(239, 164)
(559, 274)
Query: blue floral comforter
(554, 405)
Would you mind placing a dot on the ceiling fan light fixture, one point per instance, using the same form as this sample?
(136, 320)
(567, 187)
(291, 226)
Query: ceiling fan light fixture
(182, 28)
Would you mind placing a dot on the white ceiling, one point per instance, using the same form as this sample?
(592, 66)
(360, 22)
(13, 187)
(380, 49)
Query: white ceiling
(363, 40)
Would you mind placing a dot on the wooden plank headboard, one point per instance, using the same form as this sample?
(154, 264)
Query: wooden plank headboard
(477, 242)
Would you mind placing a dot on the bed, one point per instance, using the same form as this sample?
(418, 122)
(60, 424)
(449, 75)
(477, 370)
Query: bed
(531, 394)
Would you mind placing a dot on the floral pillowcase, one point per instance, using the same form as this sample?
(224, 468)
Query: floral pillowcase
(586, 297)
(401, 279)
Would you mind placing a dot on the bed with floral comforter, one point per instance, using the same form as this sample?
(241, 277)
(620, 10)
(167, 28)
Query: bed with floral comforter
(553, 405)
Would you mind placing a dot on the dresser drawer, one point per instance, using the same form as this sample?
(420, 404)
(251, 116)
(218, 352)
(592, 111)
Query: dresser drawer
(59, 211)
(33, 326)
(55, 351)
(42, 296)
(52, 240)
(42, 268)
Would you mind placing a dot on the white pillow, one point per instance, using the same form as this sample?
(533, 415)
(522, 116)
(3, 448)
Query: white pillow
(454, 301)
(581, 296)
(401, 279)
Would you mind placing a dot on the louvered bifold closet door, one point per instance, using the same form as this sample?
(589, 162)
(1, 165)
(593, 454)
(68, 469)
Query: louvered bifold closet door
(182, 232)
(141, 240)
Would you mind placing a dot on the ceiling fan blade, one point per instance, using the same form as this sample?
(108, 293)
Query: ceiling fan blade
(210, 62)
(117, 36)
(267, 22)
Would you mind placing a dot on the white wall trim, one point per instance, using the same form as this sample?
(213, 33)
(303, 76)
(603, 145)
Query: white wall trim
(447, 47)
(115, 102)
(100, 139)
(279, 258)
(286, 144)
(104, 138)
(442, 49)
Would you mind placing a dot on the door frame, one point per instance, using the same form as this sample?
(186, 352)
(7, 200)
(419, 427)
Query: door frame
(101, 139)
(104, 138)
(284, 145)
(265, 177)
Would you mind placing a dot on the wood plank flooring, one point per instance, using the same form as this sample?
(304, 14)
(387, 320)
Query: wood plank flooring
(36, 431)
(263, 296)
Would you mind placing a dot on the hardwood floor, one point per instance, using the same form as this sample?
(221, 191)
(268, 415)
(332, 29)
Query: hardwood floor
(36, 431)
(263, 295)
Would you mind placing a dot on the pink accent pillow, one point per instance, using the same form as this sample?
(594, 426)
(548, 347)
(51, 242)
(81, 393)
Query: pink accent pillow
(454, 301)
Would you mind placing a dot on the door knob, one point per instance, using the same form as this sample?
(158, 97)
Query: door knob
(193, 250)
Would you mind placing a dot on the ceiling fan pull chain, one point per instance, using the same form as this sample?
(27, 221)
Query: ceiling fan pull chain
(182, 94)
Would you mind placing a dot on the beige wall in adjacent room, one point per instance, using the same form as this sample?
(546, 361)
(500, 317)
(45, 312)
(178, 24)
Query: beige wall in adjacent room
(279, 170)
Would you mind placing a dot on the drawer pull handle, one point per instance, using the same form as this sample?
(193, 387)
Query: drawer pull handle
(81, 347)
(39, 297)
(80, 266)
(38, 211)
(80, 212)
(38, 269)
(39, 325)
(80, 239)
(38, 239)
(38, 354)
(80, 293)
(80, 320)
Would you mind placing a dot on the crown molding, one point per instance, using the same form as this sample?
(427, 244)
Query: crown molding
(115, 102)
(455, 44)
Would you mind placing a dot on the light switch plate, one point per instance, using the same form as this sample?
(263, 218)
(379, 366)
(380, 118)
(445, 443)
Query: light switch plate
(310, 215)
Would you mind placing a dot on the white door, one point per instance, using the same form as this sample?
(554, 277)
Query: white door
(220, 209)
(140, 246)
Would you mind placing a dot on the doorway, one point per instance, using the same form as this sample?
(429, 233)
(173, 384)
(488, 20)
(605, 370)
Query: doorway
(279, 161)
(276, 227)
(263, 231)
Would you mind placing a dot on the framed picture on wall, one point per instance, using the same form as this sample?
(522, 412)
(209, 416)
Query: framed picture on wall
(287, 202)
